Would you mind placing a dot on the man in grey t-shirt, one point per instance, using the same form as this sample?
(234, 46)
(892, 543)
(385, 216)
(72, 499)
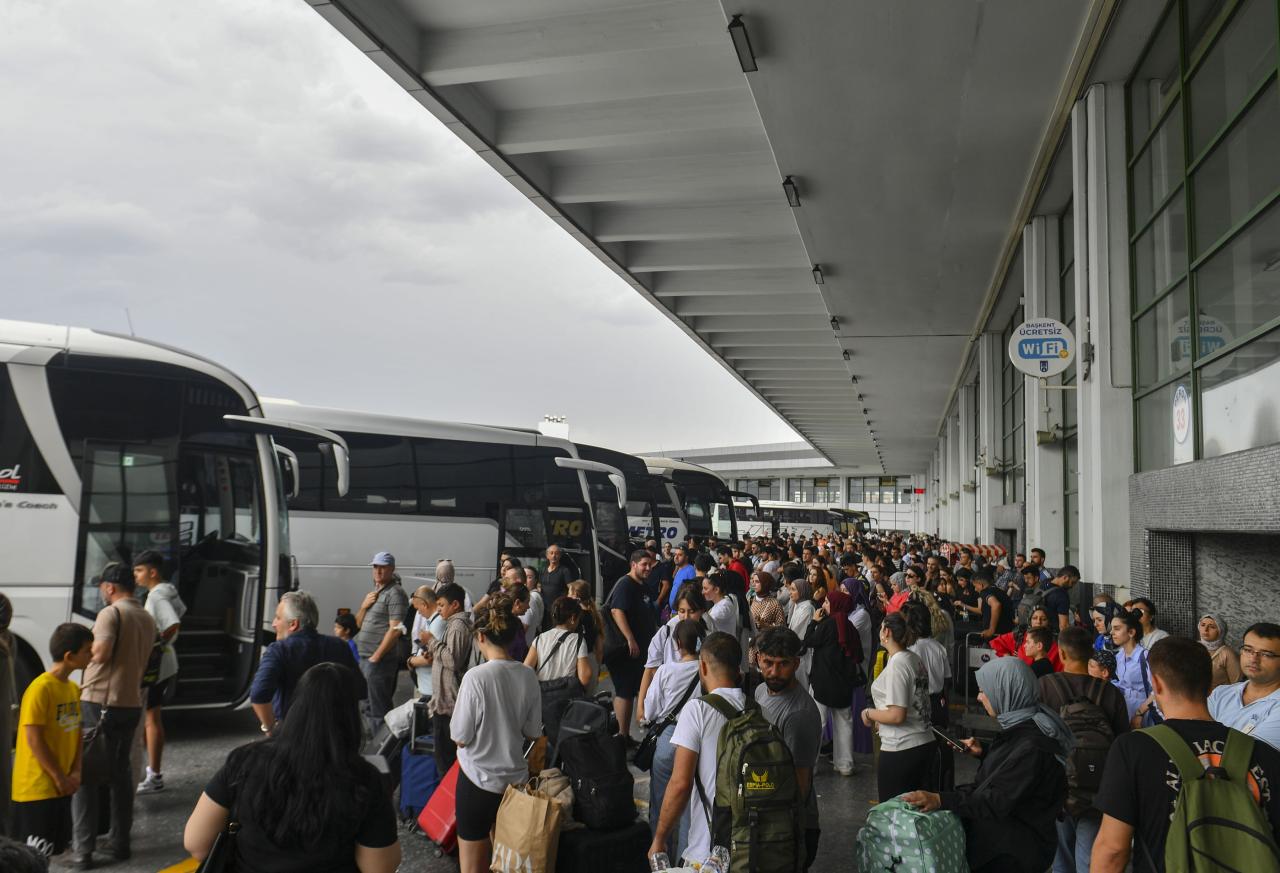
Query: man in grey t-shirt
(381, 623)
(789, 707)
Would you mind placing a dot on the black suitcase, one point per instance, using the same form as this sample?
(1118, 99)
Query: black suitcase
(388, 747)
(422, 739)
(583, 850)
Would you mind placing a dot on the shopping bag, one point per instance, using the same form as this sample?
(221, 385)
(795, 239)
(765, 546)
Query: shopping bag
(556, 785)
(527, 832)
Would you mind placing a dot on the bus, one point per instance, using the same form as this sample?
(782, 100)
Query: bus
(771, 518)
(110, 445)
(686, 499)
(431, 490)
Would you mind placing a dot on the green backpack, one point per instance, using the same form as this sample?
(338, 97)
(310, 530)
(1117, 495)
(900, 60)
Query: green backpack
(900, 838)
(757, 810)
(1216, 826)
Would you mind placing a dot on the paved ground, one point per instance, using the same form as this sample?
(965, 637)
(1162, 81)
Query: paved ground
(199, 742)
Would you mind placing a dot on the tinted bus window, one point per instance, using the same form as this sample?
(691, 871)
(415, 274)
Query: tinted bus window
(462, 477)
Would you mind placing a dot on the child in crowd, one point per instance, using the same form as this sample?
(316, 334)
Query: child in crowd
(344, 628)
(46, 770)
(1036, 646)
(1102, 665)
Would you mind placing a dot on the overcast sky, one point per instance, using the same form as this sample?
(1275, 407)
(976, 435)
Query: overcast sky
(253, 189)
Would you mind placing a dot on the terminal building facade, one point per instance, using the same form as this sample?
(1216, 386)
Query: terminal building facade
(854, 206)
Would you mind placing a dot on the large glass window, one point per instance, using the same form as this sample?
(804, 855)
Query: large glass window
(1204, 184)
(1012, 420)
(764, 489)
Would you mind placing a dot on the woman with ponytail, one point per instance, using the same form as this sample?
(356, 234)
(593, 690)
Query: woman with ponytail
(499, 706)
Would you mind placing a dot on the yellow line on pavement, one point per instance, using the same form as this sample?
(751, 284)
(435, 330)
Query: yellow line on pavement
(190, 865)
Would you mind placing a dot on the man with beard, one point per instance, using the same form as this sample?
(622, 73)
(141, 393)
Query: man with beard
(788, 706)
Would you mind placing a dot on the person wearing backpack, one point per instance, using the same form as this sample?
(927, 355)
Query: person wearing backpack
(1095, 711)
(1190, 794)
(736, 771)
(1010, 809)
(788, 706)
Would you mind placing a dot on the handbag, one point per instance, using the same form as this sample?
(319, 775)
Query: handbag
(649, 745)
(221, 857)
(95, 758)
(615, 644)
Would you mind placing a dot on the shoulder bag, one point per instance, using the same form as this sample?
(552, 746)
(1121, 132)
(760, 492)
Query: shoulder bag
(615, 644)
(222, 854)
(649, 745)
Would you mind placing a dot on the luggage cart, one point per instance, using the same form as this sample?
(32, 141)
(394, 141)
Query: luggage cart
(974, 718)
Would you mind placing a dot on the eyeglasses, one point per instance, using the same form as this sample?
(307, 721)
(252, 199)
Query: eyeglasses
(1251, 652)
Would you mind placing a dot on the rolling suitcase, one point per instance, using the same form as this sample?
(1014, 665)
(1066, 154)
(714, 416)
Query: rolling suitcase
(626, 848)
(418, 781)
(439, 818)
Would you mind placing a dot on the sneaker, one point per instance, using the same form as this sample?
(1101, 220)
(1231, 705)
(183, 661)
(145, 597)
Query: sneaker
(153, 783)
(844, 772)
(81, 862)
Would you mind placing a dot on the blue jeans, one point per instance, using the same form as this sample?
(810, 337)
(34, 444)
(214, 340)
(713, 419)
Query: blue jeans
(1075, 842)
(664, 759)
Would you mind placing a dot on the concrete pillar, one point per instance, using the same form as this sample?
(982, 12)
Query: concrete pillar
(944, 483)
(1043, 429)
(988, 477)
(955, 476)
(1105, 397)
(968, 480)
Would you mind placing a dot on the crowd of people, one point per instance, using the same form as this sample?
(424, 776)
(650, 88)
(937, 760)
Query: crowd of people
(852, 648)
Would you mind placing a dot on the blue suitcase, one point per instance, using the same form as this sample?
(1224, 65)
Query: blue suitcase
(418, 781)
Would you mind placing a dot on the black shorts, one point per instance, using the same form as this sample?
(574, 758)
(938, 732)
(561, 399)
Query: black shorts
(44, 825)
(626, 674)
(161, 693)
(477, 809)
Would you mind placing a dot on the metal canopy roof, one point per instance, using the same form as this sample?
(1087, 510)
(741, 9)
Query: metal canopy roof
(911, 129)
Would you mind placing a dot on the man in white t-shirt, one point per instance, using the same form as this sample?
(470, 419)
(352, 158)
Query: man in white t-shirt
(164, 606)
(697, 740)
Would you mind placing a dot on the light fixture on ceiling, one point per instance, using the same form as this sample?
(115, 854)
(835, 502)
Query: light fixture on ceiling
(793, 195)
(854, 379)
(835, 324)
(818, 278)
(845, 354)
(742, 44)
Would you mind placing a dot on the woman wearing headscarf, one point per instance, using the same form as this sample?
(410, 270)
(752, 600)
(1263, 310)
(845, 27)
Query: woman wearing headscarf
(800, 615)
(1010, 810)
(1226, 663)
(836, 651)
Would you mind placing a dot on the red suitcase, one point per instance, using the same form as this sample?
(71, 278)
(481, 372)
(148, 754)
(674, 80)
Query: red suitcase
(439, 818)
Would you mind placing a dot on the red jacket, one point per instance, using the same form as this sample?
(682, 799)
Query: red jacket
(1008, 644)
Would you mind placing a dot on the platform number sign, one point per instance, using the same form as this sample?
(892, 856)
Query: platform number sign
(1042, 347)
(1181, 414)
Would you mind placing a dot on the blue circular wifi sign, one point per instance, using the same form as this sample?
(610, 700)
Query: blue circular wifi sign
(1042, 347)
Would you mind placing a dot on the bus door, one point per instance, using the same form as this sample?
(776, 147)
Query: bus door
(569, 527)
(201, 508)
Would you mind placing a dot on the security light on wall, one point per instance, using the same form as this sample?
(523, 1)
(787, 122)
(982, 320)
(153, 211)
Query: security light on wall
(835, 324)
(818, 278)
(742, 44)
(793, 194)
(845, 354)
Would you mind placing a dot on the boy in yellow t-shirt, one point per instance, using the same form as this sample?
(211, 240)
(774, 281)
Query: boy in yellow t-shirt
(46, 770)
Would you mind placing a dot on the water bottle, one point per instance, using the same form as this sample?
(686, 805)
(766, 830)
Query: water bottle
(659, 862)
(718, 862)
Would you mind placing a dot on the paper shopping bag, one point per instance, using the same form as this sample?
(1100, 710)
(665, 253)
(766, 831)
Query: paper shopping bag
(527, 832)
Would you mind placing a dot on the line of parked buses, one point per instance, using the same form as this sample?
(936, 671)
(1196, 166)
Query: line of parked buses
(111, 444)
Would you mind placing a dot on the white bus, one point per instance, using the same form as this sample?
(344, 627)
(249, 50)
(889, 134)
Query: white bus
(772, 518)
(110, 445)
(686, 499)
(429, 490)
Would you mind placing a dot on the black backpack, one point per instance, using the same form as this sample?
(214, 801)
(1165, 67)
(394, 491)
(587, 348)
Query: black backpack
(603, 787)
(1093, 733)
